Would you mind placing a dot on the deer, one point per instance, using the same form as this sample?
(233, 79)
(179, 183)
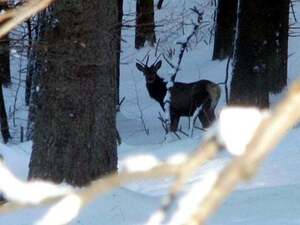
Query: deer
(186, 98)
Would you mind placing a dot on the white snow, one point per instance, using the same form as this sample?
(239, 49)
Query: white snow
(235, 132)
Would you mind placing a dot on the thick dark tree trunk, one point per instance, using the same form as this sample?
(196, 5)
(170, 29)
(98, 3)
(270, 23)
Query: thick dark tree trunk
(145, 24)
(260, 65)
(249, 85)
(277, 44)
(120, 17)
(225, 28)
(30, 67)
(3, 119)
(74, 137)
(5, 77)
(159, 4)
(35, 68)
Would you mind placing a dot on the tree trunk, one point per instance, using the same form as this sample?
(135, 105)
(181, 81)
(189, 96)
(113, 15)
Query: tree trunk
(159, 4)
(277, 44)
(249, 85)
(225, 28)
(30, 65)
(3, 119)
(74, 137)
(145, 24)
(5, 77)
(35, 68)
(120, 17)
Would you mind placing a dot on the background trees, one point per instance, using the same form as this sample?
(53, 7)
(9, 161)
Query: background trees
(145, 25)
(260, 56)
(261, 47)
(119, 28)
(277, 46)
(34, 70)
(74, 137)
(225, 28)
(5, 79)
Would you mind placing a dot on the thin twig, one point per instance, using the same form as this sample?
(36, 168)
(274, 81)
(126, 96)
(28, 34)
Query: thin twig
(169, 62)
(140, 110)
(17, 92)
(293, 11)
(163, 122)
(156, 48)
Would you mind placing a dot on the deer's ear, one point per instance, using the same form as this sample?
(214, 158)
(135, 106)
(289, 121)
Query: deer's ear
(139, 67)
(157, 65)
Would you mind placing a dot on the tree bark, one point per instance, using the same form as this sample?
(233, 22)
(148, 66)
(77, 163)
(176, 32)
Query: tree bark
(225, 28)
(249, 85)
(35, 68)
(145, 24)
(3, 119)
(159, 4)
(30, 65)
(277, 44)
(260, 64)
(5, 77)
(120, 17)
(74, 138)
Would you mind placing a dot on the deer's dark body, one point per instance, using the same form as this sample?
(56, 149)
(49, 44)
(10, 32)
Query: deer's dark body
(185, 97)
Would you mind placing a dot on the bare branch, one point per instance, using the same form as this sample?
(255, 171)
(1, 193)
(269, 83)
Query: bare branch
(169, 62)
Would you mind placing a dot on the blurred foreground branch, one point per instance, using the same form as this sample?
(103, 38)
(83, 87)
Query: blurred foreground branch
(270, 131)
(23, 195)
(14, 17)
(268, 135)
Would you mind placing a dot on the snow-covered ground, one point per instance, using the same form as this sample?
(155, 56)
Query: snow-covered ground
(271, 198)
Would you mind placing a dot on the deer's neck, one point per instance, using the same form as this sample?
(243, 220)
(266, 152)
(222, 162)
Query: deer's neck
(157, 90)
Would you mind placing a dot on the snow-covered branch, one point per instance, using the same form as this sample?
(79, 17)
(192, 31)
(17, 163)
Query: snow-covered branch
(183, 42)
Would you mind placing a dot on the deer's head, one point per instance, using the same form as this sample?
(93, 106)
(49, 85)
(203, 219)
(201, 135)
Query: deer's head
(150, 72)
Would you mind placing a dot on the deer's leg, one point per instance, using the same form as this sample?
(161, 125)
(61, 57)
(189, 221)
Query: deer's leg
(204, 119)
(206, 115)
(174, 121)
